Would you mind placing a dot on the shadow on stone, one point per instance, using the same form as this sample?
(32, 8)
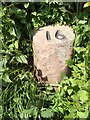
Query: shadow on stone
(38, 76)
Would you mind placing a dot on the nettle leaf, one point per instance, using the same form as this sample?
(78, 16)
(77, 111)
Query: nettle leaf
(22, 59)
(83, 114)
(46, 114)
(83, 95)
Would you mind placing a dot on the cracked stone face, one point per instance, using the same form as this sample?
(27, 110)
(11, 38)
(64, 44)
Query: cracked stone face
(52, 46)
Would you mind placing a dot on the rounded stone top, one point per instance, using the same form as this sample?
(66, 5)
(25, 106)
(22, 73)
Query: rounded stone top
(66, 34)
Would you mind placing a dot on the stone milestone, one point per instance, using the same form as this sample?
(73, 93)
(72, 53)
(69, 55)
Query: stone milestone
(52, 46)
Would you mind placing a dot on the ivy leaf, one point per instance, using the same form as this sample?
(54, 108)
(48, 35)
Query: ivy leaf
(83, 114)
(47, 114)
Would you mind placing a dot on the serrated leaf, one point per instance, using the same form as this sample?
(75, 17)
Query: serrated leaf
(83, 114)
(47, 114)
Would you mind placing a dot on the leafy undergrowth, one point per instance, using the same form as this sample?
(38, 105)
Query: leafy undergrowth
(22, 97)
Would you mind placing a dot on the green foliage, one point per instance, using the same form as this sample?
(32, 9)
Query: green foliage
(86, 4)
(22, 96)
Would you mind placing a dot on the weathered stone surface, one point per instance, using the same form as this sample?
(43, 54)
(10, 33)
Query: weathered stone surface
(50, 55)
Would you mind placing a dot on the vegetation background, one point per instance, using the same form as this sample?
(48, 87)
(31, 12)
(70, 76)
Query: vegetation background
(22, 98)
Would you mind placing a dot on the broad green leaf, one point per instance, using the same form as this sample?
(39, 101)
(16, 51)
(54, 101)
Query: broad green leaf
(22, 59)
(83, 95)
(49, 88)
(75, 68)
(46, 114)
(11, 46)
(83, 114)
(26, 5)
(65, 88)
(78, 40)
(69, 63)
(73, 82)
(26, 113)
(34, 13)
(86, 4)
(6, 78)
(82, 21)
(12, 31)
(80, 49)
(1, 67)
(70, 116)
(1, 112)
(70, 91)
(16, 44)
(75, 97)
(60, 109)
